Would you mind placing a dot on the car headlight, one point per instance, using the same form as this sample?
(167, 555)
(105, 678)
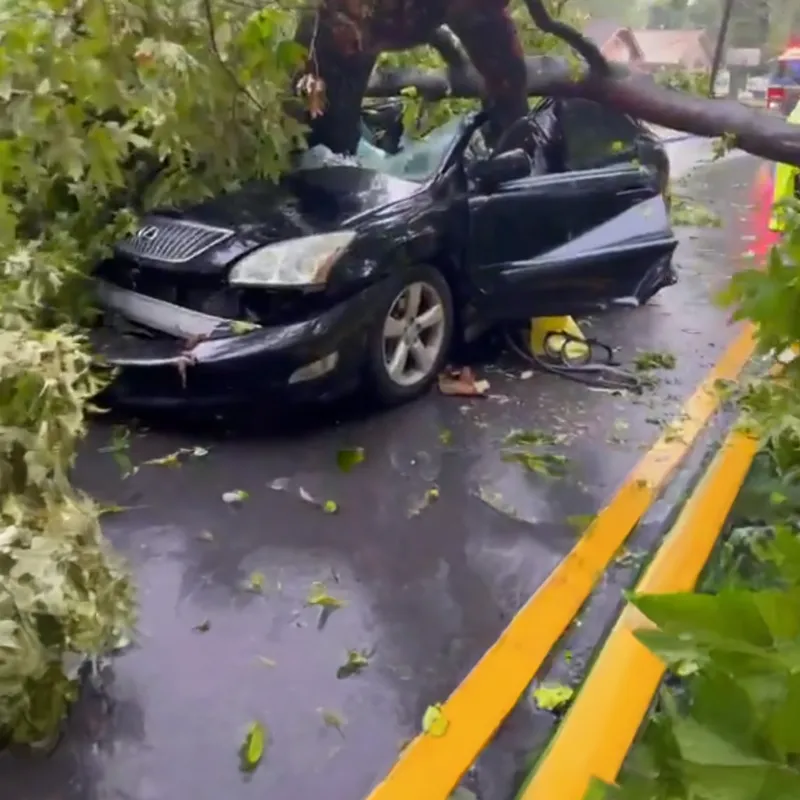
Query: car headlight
(306, 261)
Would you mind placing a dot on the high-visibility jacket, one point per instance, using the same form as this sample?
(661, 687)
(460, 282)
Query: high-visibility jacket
(787, 181)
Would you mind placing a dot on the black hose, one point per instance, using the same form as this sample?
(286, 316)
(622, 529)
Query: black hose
(608, 375)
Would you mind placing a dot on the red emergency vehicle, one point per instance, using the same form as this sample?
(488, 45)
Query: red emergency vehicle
(783, 87)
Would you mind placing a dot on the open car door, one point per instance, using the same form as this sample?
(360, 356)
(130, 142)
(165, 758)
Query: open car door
(569, 243)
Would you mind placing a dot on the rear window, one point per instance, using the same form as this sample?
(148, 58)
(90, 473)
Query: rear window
(786, 72)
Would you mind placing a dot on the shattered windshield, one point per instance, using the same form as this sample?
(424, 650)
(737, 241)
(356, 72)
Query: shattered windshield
(416, 161)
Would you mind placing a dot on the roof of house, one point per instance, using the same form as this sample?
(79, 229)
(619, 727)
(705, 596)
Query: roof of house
(669, 46)
(600, 30)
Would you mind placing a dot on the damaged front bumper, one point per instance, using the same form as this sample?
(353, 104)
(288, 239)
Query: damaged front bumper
(167, 356)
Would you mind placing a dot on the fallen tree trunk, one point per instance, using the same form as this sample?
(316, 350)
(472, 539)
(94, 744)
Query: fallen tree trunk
(755, 131)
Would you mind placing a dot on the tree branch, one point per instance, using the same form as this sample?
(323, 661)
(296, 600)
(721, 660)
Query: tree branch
(584, 47)
(755, 131)
(449, 47)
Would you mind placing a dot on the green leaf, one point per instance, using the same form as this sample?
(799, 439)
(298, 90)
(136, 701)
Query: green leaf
(552, 697)
(349, 458)
(318, 596)
(333, 719)
(434, 722)
(234, 497)
(357, 661)
(256, 582)
(253, 746)
(700, 745)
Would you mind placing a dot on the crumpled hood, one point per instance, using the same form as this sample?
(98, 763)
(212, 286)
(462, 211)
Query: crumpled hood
(306, 202)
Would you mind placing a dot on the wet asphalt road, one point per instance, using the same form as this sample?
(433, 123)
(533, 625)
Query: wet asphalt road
(428, 592)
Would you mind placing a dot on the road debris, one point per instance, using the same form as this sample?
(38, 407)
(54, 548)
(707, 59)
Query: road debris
(235, 496)
(252, 749)
(462, 383)
(434, 722)
(348, 458)
(552, 697)
(357, 661)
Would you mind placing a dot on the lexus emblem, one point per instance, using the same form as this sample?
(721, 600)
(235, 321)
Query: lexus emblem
(148, 233)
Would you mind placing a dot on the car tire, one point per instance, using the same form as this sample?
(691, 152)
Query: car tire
(410, 342)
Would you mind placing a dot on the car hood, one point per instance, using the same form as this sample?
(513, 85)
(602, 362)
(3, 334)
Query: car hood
(304, 203)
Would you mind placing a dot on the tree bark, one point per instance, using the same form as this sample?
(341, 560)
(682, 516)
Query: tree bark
(754, 131)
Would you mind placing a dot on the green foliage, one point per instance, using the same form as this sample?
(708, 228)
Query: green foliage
(107, 107)
(683, 80)
(731, 730)
(725, 725)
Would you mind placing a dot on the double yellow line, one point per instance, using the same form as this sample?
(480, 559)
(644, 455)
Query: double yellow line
(600, 727)
(431, 767)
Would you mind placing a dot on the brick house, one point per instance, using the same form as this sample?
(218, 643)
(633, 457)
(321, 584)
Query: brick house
(689, 50)
(616, 42)
(652, 50)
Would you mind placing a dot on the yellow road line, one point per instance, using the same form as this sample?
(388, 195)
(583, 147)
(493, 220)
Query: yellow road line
(430, 767)
(600, 728)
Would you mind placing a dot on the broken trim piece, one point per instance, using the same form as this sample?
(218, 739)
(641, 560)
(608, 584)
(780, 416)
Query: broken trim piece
(159, 315)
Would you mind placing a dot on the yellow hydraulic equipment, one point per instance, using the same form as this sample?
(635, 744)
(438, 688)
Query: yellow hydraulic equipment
(558, 339)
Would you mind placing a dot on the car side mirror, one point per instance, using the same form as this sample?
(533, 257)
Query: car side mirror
(512, 165)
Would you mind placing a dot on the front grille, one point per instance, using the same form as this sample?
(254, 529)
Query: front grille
(171, 241)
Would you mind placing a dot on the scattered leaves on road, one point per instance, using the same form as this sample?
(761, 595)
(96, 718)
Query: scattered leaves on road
(357, 661)
(552, 696)
(690, 213)
(284, 484)
(318, 595)
(203, 627)
(446, 436)
(524, 447)
(268, 662)
(253, 746)
(549, 465)
(532, 438)
(430, 496)
(235, 496)
(348, 458)
(650, 360)
(434, 722)
(333, 719)
(256, 582)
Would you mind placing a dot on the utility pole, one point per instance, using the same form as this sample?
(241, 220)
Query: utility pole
(719, 49)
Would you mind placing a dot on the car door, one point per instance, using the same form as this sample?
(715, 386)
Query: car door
(565, 243)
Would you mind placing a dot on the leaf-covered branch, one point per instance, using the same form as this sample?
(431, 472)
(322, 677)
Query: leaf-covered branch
(754, 131)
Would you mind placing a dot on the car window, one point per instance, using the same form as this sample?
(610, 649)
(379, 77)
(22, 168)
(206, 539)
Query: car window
(595, 135)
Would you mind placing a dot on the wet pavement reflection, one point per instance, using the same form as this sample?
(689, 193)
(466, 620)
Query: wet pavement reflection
(426, 588)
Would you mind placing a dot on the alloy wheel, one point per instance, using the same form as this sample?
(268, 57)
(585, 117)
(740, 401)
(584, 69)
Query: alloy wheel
(413, 334)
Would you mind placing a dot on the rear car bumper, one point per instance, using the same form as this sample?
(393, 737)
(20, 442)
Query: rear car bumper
(145, 340)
